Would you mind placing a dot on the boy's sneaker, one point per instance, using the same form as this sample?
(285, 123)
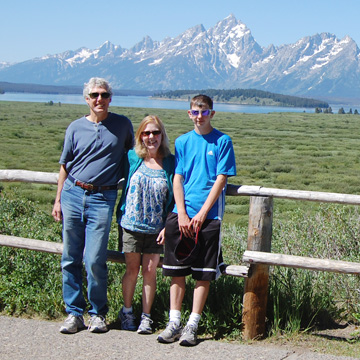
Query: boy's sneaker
(188, 336)
(145, 325)
(97, 324)
(171, 333)
(72, 324)
(127, 321)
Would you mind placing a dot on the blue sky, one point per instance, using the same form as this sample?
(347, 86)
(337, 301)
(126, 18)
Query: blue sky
(39, 27)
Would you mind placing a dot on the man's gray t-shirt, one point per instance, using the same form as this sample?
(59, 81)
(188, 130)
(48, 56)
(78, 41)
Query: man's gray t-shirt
(94, 152)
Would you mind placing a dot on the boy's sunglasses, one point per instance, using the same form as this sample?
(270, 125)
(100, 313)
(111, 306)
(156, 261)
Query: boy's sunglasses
(95, 95)
(147, 133)
(203, 112)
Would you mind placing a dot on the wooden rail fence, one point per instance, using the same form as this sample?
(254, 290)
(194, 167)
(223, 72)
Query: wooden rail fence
(257, 258)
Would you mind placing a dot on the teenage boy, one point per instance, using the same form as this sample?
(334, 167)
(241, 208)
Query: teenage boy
(204, 159)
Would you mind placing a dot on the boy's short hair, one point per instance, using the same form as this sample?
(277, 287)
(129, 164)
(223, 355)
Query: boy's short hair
(200, 101)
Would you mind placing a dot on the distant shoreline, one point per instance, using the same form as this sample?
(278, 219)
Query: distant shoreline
(224, 102)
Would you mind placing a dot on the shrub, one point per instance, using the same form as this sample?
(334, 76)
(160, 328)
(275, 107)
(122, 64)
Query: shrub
(301, 299)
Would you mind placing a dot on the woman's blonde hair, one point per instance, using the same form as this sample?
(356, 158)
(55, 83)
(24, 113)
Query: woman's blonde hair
(140, 148)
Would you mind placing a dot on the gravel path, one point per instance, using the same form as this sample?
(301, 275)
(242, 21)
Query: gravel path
(39, 339)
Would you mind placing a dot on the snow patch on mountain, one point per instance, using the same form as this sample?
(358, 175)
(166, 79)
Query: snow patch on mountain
(82, 56)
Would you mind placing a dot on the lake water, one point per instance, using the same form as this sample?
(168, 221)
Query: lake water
(146, 102)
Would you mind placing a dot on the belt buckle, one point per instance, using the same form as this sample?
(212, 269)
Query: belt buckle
(90, 187)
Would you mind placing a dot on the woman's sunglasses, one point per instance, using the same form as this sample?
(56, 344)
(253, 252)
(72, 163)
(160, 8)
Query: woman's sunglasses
(147, 133)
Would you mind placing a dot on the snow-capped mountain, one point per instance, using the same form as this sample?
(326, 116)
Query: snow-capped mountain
(225, 56)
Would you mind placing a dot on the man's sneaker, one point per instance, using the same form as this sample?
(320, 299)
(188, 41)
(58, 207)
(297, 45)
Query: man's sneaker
(145, 325)
(188, 336)
(97, 324)
(72, 324)
(171, 333)
(127, 321)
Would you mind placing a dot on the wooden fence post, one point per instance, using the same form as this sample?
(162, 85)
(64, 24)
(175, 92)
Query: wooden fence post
(256, 285)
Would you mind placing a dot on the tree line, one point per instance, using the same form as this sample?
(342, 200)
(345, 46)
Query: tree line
(340, 111)
(242, 95)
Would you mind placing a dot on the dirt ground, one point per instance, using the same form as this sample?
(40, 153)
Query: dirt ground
(343, 340)
(39, 339)
(345, 332)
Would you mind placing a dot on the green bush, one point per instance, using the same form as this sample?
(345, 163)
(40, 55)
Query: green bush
(301, 299)
(30, 281)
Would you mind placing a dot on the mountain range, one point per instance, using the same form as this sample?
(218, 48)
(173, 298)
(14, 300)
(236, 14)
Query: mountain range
(225, 56)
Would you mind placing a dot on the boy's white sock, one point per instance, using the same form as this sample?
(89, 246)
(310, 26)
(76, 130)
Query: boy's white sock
(175, 316)
(194, 319)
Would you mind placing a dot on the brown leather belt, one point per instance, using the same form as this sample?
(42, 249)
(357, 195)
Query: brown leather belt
(91, 187)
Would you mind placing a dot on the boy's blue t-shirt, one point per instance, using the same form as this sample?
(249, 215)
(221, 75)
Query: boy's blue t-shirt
(199, 160)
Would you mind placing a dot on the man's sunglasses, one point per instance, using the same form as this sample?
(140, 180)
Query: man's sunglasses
(147, 133)
(95, 95)
(203, 112)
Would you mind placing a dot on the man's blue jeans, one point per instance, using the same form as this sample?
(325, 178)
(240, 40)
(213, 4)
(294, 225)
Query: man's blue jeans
(87, 218)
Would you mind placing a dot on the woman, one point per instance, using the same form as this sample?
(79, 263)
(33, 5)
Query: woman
(145, 202)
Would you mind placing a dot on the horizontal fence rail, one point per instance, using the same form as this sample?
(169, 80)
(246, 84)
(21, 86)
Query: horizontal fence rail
(232, 190)
(49, 247)
(27, 176)
(303, 195)
(112, 255)
(303, 262)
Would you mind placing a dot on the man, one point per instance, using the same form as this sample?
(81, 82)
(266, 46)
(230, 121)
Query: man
(92, 164)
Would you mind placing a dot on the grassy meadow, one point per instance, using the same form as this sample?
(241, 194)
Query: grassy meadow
(304, 151)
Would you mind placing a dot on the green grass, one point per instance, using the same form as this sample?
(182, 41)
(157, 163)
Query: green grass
(303, 151)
